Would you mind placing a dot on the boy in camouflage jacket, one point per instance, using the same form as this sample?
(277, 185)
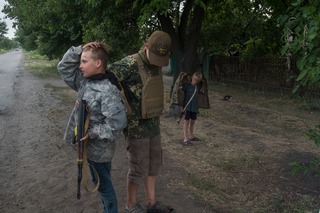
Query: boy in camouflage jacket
(83, 68)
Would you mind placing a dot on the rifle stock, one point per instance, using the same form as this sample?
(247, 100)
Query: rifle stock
(80, 134)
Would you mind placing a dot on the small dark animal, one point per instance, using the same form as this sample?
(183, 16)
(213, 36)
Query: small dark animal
(227, 97)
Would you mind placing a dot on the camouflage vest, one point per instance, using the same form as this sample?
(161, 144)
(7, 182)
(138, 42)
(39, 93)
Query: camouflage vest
(177, 96)
(152, 91)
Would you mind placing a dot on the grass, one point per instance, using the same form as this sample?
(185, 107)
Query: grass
(244, 161)
(65, 94)
(202, 184)
(249, 160)
(41, 66)
(311, 105)
(3, 51)
(226, 165)
(304, 205)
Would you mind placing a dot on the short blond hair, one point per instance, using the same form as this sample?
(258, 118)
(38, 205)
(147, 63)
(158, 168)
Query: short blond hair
(197, 75)
(99, 51)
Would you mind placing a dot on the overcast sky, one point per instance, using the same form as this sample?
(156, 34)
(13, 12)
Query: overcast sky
(11, 31)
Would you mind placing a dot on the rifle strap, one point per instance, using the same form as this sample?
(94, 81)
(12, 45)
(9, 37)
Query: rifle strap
(194, 92)
(184, 109)
(85, 162)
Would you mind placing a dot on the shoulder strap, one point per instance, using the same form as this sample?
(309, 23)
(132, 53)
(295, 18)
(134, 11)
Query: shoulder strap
(142, 70)
(194, 92)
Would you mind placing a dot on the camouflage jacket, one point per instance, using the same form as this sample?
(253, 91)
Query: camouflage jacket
(106, 108)
(127, 72)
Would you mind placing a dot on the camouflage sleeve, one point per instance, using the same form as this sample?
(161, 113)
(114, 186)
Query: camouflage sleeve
(68, 67)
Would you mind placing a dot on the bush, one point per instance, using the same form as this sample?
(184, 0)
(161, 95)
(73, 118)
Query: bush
(313, 166)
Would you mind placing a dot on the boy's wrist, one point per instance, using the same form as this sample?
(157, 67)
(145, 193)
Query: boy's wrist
(78, 50)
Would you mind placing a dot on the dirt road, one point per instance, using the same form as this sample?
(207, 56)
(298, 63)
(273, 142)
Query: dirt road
(240, 164)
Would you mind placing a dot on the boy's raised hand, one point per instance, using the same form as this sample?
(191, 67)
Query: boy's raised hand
(95, 44)
(92, 44)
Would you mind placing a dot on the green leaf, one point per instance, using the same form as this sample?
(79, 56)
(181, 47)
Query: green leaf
(312, 35)
(302, 74)
(311, 58)
(283, 19)
(296, 3)
(285, 49)
(307, 11)
(301, 63)
(295, 168)
(295, 89)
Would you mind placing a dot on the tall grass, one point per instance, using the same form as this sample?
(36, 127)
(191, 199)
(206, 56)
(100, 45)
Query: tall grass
(40, 65)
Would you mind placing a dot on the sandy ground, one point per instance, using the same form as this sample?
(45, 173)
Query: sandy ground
(240, 164)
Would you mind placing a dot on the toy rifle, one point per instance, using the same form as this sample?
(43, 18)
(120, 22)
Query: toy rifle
(80, 133)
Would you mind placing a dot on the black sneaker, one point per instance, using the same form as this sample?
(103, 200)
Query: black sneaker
(159, 208)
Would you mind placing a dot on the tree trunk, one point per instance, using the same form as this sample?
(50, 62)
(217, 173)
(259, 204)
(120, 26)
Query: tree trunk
(184, 41)
(185, 38)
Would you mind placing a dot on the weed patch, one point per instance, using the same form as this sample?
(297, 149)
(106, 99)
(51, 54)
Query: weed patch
(40, 66)
(202, 184)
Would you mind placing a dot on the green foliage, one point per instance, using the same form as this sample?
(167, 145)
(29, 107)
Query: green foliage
(312, 166)
(3, 28)
(314, 134)
(243, 28)
(151, 9)
(116, 25)
(302, 35)
(7, 44)
(52, 26)
(256, 48)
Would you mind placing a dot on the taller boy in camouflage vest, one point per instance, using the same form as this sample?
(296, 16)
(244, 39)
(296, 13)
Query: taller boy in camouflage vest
(141, 76)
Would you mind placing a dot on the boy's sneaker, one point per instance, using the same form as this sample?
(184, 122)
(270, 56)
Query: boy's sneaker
(134, 209)
(159, 208)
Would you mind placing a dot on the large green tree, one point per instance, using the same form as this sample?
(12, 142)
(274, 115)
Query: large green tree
(50, 26)
(183, 21)
(302, 36)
